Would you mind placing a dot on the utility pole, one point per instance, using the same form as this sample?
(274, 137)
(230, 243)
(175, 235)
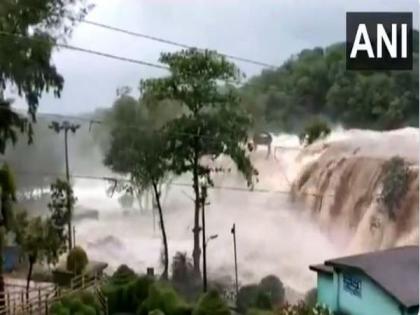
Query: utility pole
(66, 126)
(233, 231)
(203, 217)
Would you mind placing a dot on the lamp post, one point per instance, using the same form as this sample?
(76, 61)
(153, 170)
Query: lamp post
(66, 127)
(233, 231)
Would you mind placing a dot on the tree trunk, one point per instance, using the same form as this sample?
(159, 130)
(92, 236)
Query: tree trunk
(162, 228)
(29, 277)
(2, 286)
(196, 229)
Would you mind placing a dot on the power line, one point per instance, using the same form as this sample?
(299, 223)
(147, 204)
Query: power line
(173, 43)
(181, 184)
(91, 52)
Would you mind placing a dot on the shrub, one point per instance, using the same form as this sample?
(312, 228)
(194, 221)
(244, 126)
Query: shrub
(211, 304)
(311, 297)
(314, 130)
(274, 288)
(77, 260)
(184, 279)
(247, 297)
(254, 311)
(394, 184)
(164, 298)
(123, 274)
(263, 301)
(303, 309)
(88, 298)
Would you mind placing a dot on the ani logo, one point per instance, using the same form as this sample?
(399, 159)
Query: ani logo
(379, 41)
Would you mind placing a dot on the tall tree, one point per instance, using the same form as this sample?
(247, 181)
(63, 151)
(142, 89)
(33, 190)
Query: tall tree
(140, 154)
(8, 197)
(212, 122)
(28, 32)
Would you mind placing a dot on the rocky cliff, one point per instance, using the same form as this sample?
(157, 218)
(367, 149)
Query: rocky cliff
(342, 185)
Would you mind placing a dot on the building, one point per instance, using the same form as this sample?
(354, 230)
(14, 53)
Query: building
(377, 283)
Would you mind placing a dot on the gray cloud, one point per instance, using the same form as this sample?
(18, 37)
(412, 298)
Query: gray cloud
(266, 30)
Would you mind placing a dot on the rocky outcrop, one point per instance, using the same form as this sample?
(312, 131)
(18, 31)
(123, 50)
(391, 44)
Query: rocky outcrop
(342, 184)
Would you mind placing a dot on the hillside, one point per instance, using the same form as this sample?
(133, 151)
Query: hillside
(315, 83)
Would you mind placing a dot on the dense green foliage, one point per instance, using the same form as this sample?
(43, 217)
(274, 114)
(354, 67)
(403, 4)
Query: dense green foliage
(315, 82)
(164, 298)
(311, 297)
(126, 291)
(39, 239)
(61, 196)
(211, 304)
(203, 128)
(268, 294)
(395, 183)
(83, 303)
(141, 154)
(28, 33)
(77, 260)
(274, 288)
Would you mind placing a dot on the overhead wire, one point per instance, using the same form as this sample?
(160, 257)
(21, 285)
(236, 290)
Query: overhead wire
(180, 184)
(173, 43)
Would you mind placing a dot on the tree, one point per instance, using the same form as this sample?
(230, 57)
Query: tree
(8, 197)
(212, 122)
(140, 154)
(274, 288)
(40, 240)
(61, 195)
(29, 32)
(315, 83)
(314, 130)
(77, 260)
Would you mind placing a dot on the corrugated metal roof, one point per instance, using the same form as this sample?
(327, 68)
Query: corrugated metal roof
(395, 270)
(322, 268)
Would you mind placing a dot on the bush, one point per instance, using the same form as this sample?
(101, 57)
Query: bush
(263, 301)
(247, 297)
(88, 298)
(184, 279)
(211, 304)
(123, 274)
(274, 288)
(83, 303)
(314, 130)
(311, 297)
(164, 298)
(77, 260)
(303, 309)
(254, 311)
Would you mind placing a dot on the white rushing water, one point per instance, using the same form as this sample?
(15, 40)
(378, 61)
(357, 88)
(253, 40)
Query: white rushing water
(273, 237)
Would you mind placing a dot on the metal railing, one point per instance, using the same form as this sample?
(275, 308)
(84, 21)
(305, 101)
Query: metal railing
(40, 300)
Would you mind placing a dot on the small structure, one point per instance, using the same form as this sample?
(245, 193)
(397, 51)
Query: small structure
(383, 282)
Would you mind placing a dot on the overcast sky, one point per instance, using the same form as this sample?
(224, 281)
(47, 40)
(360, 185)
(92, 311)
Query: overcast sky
(265, 30)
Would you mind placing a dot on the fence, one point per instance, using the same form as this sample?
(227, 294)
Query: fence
(39, 300)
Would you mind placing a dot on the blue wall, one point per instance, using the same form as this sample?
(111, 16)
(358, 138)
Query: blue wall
(372, 300)
(325, 289)
(354, 293)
